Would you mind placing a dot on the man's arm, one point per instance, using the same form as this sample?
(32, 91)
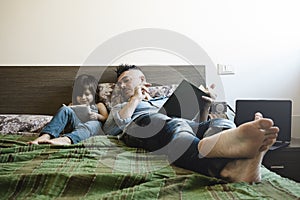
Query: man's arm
(204, 114)
(128, 110)
(208, 101)
(114, 125)
(121, 114)
(140, 93)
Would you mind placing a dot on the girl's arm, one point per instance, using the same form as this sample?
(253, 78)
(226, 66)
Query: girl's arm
(103, 113)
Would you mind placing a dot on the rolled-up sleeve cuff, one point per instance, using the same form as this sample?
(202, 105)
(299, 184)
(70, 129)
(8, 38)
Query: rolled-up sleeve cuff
(120, 122)
(114, 125)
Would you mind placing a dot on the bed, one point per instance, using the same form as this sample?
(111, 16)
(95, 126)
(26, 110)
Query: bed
(101, 167)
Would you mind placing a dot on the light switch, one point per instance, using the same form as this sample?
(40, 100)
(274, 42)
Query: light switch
(225, 69)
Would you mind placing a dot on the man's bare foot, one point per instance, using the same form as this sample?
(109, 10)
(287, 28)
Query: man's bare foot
(245, 141)
(243, 170)
(268, 141)
(247, 170)
(41, 138)
(57, 141)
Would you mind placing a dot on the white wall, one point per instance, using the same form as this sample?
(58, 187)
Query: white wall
(260, 38)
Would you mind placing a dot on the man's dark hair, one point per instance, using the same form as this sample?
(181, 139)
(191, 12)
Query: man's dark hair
(123, 68)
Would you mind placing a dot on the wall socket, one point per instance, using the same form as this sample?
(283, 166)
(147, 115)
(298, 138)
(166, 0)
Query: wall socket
(225, 69)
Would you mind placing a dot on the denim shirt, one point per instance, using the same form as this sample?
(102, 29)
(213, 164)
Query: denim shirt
(114, 125)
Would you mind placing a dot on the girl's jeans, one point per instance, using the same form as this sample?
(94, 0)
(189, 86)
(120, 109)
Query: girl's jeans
(178, 139)
(65, 120)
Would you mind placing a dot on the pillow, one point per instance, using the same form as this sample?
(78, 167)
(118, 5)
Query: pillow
(105, 93)
(23, 123)
(111, 95)
(162, 90)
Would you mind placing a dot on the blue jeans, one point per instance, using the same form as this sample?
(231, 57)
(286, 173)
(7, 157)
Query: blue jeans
(178, 139)
(65, 120)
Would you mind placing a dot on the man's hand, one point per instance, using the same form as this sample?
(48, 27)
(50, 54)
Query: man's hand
(141, 92)
(208, 101)
(211, 96)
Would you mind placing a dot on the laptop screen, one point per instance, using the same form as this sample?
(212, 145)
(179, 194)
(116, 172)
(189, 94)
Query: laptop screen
(280, 111)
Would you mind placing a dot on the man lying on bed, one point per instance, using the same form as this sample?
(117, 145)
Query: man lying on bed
(234, 154)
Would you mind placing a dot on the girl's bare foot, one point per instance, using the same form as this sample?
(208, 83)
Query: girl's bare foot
(41, 138)
(57, 141)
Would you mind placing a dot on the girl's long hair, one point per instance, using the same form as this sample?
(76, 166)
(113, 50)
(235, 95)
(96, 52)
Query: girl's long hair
(83, 82)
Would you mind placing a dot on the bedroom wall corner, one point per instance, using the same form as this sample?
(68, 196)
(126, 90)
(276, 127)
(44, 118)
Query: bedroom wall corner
(296, 126)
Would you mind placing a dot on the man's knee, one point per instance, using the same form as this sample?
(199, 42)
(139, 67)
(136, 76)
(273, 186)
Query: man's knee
(217, 125)
(146, 126)
(176, 125)
(154, 131)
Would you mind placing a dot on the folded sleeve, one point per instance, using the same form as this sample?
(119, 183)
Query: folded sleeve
(114, 125)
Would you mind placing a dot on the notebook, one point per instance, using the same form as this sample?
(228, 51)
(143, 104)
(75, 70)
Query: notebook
(185, 102)
(280, 111)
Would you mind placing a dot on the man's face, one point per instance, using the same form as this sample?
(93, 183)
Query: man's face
(128, 80)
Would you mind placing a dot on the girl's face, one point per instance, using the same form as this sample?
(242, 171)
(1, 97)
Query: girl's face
(87, 97)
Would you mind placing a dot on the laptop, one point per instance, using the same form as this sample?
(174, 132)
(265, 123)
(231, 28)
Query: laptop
(185, 102)
(280, 111)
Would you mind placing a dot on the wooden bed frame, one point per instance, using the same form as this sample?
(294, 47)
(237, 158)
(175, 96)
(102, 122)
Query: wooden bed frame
(43, 89)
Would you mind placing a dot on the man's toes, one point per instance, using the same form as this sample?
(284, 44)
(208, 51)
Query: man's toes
(268, 141)
(258, 115)
(265, 123)
(263, 148)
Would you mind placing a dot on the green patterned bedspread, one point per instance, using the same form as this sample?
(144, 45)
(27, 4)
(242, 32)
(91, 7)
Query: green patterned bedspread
(103, 168)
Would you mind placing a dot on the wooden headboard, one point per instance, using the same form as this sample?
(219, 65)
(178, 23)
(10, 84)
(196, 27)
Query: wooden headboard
(43, 89)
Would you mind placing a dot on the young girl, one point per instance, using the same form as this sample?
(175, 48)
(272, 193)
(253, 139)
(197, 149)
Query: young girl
(65, 120)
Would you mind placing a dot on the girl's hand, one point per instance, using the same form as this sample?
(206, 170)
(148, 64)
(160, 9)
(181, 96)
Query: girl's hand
(94, 116)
